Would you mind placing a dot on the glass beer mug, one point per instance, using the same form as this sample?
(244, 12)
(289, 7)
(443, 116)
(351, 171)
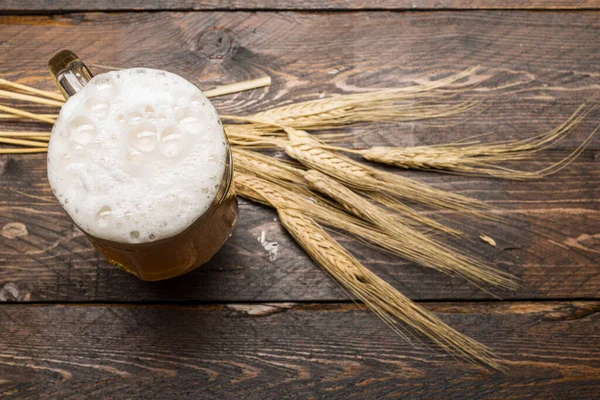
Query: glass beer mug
(140, 162)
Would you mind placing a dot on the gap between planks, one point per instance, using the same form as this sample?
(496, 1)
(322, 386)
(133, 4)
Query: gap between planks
(342, 304)
(15, 8)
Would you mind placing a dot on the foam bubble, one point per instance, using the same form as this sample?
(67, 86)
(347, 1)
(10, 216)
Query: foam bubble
(190, 120)
(172, 142)
(136, 156)
(150, 113)
(97, 107)
(104, 86)
(135, 118)
(82, 130)
(143, 136)
(103, 217)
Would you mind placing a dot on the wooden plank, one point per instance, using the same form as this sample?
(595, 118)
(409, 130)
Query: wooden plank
(550, 240)
(257, 351)
(552, 245)
(40, 6)
(546, 62)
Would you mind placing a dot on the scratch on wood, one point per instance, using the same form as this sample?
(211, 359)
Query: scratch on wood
(13, 230)
(261, 310)
(572, 311)
(270, 247)
(585, 242)
(488, 240)
(9, 292)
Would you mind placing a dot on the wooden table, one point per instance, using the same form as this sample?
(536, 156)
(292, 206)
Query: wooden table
(259, 326)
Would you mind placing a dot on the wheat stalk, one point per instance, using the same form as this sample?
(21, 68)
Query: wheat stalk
(268, 168)
(22, 150)
(29, 89)
(237, 87)
(29, 143)
(403, 241)
(13, 116)
(445, 259)
(310, 152)
(31, 98)
(388, 105)
(26, 114)
(292, 177)
(24, 134)
(383, 299)
(480, 159)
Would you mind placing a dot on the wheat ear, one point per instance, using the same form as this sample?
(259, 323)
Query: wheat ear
(409, 244)
(383, 299)
(444, 259)
(387, 105)
(379, 296)
(268, 168)
(291, 176)
(362, 208)
(481, 159)
(310, 152)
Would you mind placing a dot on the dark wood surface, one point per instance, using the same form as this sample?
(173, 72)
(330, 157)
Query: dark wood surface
(290, 351)
(245, 326)
(550, 244)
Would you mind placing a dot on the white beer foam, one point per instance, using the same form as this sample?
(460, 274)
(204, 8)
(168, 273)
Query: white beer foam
(136, 156)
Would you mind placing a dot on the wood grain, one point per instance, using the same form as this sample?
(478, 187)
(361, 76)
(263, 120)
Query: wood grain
(551, 244)
(41, 6)
(550, 238)
(289, 351)
(212, 334)
(537, 68)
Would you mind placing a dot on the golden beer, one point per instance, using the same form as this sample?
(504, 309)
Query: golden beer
(145, 173)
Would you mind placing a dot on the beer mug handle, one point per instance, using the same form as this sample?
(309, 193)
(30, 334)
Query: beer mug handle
(69, 72)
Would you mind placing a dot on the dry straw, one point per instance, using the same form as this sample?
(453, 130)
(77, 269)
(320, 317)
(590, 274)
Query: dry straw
(368, 226)
(310, 152)
(388, 303)
(292, 177)
(388, 105)
(26, 114)
(482, 159)
(269, 168)
(23, 150)
(24, 134)
(28, 89)
(14, 116)
(34, 99)
(29, 143)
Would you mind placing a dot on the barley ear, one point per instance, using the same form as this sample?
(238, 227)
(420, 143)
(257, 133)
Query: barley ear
(383, 299)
